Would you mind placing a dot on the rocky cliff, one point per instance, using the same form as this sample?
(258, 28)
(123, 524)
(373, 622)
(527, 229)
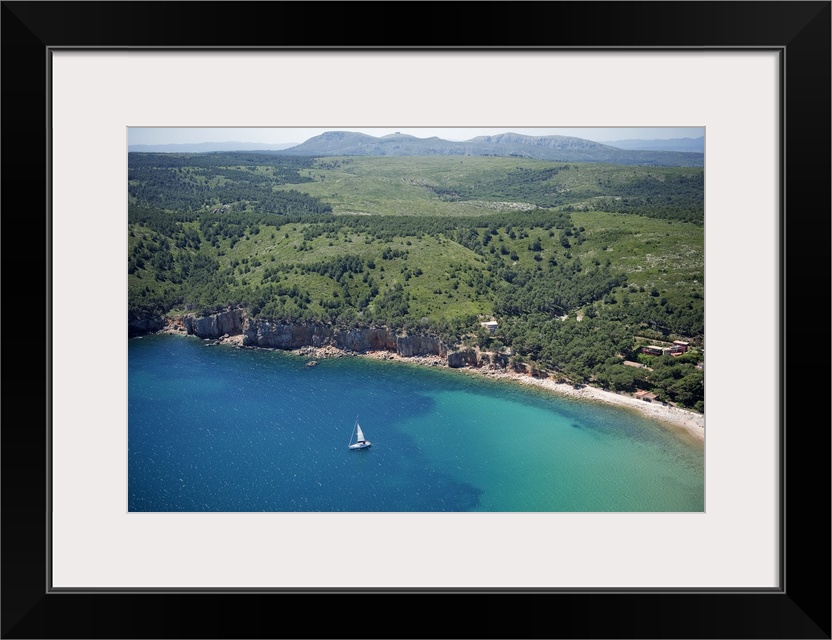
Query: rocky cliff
(226, 323)
(138, 325)
(464, 358)
(261, 333)
(285, 335)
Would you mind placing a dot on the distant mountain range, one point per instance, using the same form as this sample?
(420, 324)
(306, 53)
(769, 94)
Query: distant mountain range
(695, 145)
(556, 148)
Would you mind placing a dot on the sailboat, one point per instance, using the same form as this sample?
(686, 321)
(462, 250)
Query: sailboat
(361, 442)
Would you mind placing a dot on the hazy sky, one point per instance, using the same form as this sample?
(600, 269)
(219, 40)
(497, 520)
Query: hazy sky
(281, 135)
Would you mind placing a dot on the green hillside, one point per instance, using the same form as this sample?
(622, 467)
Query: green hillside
(580, 264)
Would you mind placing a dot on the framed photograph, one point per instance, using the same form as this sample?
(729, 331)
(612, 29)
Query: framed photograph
(78, 76)
(423, 287)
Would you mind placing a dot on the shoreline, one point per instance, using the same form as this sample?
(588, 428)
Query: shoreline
(689, 425)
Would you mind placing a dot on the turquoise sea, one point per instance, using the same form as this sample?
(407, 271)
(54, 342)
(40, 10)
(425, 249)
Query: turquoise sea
(219, 428)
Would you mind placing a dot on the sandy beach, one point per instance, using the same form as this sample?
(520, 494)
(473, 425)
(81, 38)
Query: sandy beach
(680, 420)
(689, 425)
(686, 422)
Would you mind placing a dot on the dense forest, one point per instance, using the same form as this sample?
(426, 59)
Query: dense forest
(194, 182)
(581, 265)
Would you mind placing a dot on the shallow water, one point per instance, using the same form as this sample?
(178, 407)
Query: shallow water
(217, 428)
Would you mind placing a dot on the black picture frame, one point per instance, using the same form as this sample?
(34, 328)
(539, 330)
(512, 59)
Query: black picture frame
(799, 608)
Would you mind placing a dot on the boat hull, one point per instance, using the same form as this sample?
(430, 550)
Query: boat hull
(360, 445)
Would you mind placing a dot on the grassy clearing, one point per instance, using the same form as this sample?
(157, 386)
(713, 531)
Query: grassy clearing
(404, 186)
(669, 256)
(472, 186)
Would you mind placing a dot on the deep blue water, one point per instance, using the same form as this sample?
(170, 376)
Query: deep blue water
(218, 428)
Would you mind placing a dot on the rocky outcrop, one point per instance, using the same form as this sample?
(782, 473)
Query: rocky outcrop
(289, 335)
(366, 339)
(409, 346)
(500, 360)
(138, 325)
(464, 358)
(215, 326)
(278, 335)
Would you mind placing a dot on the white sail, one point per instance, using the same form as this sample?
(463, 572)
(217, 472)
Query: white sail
(359, 432)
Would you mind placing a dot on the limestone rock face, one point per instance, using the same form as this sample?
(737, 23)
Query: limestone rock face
(279, 335)
(365, 339)
(217, 325)
(466, 357)
(419, 345)
(261, 333)
(138, 325)
(290, 335)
